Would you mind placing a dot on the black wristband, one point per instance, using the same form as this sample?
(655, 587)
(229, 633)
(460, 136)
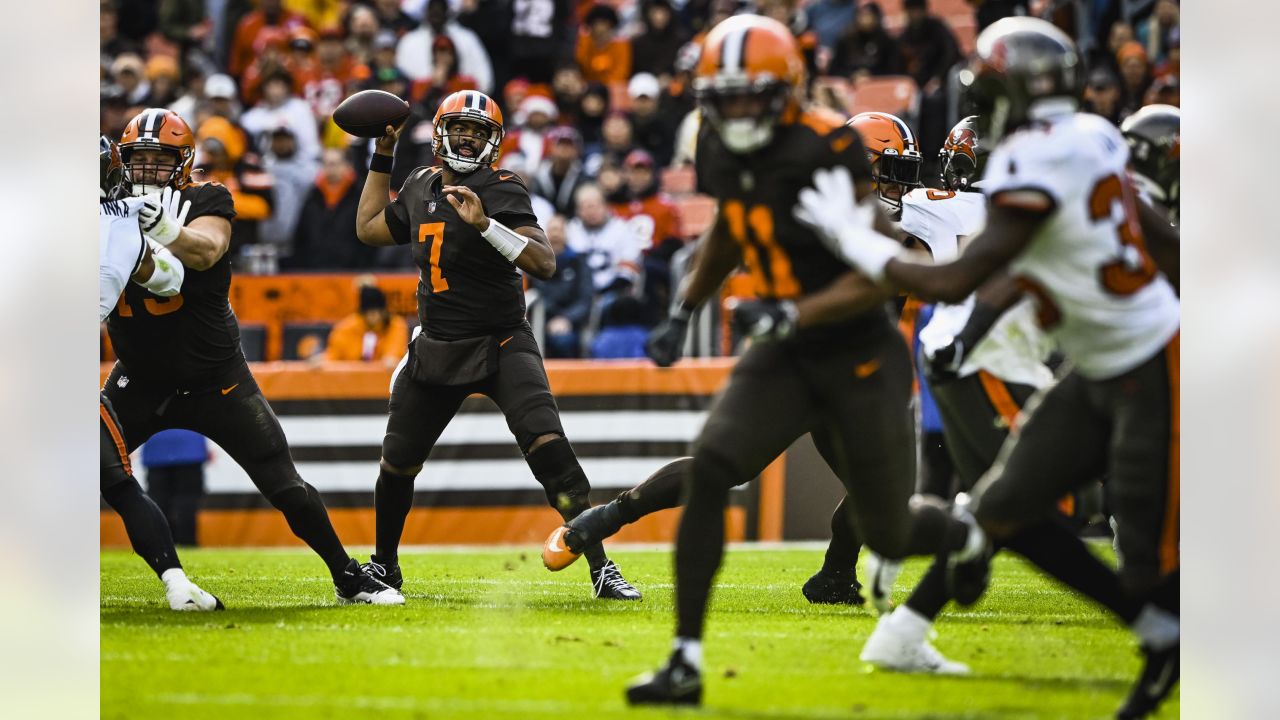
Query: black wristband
(380, 163)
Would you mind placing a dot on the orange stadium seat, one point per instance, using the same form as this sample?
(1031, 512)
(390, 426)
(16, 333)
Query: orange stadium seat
(696, 212)
(678, 180)
(966, 31)
(894, 94)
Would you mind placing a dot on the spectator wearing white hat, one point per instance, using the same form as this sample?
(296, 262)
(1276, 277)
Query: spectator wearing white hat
(281, 106)
(222, 97)
(535, 117)
(650, 129)
(129, 73)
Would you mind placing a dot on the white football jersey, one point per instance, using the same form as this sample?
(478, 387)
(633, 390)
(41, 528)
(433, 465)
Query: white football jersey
(1096, 290)
(120, 250)
(1014, 349)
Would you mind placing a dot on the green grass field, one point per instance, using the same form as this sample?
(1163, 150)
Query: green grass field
(491, 634)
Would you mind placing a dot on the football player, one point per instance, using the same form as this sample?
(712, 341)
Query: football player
(125, 255)
(180, 363)
(471, 230)
(1062, 217)
(827, 359)
(1155, 147)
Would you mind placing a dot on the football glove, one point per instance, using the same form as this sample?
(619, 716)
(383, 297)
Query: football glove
(162, 217)
(843, 224)
(765, 319)
(943, 364)
(666, 342)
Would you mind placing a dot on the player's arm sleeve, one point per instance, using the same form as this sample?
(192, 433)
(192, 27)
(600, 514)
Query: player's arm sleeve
(507, 201)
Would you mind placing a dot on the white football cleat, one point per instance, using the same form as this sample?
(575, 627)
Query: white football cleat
(189, 597)
(893, 646)
(882, 575)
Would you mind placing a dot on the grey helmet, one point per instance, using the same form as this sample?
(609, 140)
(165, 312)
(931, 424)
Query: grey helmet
(1155, 145)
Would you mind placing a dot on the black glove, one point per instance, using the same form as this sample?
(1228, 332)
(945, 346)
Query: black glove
(944, 364)
(666, 342)
(765, 319)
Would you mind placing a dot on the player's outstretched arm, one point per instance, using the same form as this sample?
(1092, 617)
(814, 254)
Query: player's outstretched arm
(537, 258)
(159, 271)
(846, 297)
(1007, 232)
(202, 243)
(371, 224)
(1163, 241)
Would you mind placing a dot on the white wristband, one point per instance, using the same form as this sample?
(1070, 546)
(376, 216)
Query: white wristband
(506, 241)
(166, 279)
(868, 250)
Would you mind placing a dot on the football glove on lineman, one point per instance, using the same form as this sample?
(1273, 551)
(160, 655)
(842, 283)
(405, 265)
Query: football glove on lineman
(162, 217)
(943, 364)
(666, 342)
(843, 224)
(765, 319)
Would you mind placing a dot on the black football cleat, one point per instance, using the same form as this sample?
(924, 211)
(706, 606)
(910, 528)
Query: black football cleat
(386, 572)
(1159, 675)
(607, 583)
(967, 580)
(675, 683)
(354, 586)
(834, 588)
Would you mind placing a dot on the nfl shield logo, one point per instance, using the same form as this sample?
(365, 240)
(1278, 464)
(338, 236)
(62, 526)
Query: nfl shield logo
(431, 206)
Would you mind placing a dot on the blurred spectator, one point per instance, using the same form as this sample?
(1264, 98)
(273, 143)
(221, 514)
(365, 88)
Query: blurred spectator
(593, 108)
(281, 107)
(391, 17)
(678, 99)
(603, 56)
(319, 14)
(222, 156)
(130, 75)
(532, 121)
(110, 43)
(929, 50)
(1135, 76)
(1160, 30)
(444, 79)
(655, 48)
(785, 12)
(613, 183)
(220, 98)
(327, 86)
(414, 56)
(612, 247)
(866, 49)
(292, 176)
(617, 140)
(650, 129)
(192, 93)
(1164, 91)
(325, 237)
(829, 18)
(560, 174)
(363, 32)
(175, 460)
(186, 24)
(372, 334)
(567, 296)
(537, 34)
(652, 215)
(1170, 67)
(269, 15)
(162, 75)
(623, 330)
(382, 53)
(520, 165)
(1102, 94)
(568, 88)
(988, 11)
(271, 55)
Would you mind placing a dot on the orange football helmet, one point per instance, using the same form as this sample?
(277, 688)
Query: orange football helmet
(747, 78)
(893, 151)
(163, 130)
(476, 107)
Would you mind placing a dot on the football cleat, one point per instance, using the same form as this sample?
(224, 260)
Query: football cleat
(884, 573)
(354, 585)
(188, 597)
(556, 553)
(890, 648)
(387, 572)
(675, 683)
(834, 588)
(1159, 675)
(608, 584)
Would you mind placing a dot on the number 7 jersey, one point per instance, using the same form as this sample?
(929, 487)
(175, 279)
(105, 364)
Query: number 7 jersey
(1096, 289)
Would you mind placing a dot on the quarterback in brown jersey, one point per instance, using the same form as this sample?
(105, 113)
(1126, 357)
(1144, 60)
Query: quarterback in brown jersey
(827, 359)
(471, 230)
(180, 363)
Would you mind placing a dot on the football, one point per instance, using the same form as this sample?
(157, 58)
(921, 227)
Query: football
(368, 113)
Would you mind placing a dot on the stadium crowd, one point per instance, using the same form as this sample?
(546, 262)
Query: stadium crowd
(600, 116)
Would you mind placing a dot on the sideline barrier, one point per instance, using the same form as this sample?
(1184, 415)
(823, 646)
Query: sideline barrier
(625, 419)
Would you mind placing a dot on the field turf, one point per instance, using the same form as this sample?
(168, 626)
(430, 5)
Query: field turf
(491, 634)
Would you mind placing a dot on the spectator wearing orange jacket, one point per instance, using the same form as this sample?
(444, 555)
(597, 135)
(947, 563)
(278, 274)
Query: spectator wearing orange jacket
(371, 334)
(270, 14)
(603, 56)
(655, 209)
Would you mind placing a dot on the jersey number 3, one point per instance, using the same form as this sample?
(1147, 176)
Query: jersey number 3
(1133, 269)
(434, 233)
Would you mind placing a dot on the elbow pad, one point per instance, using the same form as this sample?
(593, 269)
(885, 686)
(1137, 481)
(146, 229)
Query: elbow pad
(166, 279)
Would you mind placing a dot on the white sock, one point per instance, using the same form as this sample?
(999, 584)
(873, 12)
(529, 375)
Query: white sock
(909, 622)
(1156, 628)
(690, 649)
(174, 577)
